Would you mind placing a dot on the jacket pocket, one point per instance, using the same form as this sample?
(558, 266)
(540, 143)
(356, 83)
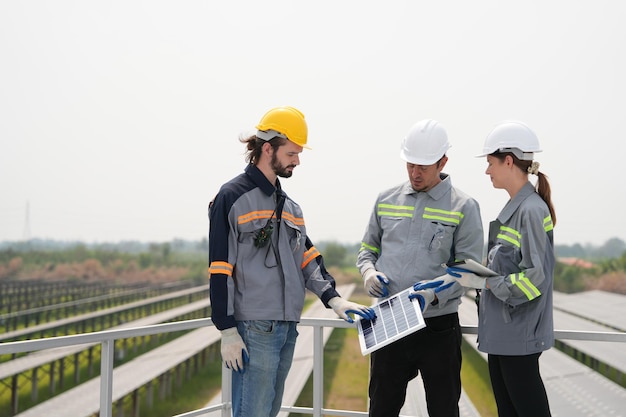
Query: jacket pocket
(438, 236)
(248, 231)
(296, 235)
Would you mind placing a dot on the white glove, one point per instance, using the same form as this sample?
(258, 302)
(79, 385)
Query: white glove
(234, 352)
(424, 296)
(467, 279)
(343, 307)
(426, 291)
(376, 283)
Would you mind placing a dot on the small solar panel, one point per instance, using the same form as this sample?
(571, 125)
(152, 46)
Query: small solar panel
(396, 317)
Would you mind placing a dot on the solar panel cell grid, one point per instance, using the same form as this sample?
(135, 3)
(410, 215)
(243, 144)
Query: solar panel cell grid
(396, 317)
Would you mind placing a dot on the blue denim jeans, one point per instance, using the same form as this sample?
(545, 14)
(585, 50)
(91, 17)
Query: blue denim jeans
(258, 392)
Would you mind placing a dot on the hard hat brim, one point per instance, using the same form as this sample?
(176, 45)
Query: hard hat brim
(521, 155)
(271, 134)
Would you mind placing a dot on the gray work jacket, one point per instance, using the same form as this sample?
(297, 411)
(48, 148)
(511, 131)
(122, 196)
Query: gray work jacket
(515, 313)
(411, 234)
(248, 282)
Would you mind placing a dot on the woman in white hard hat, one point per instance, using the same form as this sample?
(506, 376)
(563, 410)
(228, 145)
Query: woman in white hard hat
(515, 307)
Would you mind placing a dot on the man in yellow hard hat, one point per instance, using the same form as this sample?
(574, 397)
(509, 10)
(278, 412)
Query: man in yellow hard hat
(261, 261)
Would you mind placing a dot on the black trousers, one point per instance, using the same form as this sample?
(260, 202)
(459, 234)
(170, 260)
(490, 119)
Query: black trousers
(517, 386)
(435, 351)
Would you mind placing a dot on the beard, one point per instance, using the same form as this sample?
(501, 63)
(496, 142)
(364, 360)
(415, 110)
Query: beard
(281, 170)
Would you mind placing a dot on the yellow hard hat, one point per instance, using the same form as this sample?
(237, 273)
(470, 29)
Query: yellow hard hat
(284, 121)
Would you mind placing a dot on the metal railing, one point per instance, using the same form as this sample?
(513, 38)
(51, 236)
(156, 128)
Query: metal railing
(107, 339)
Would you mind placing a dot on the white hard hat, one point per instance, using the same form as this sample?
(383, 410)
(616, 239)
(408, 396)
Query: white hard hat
(425, 144)
(512, 136)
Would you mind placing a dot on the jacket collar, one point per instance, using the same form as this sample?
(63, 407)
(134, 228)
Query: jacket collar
(512, 205)
(261, 180)
(437, 191)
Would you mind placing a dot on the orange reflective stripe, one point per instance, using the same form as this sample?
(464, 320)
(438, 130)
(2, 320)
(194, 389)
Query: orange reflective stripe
(298, 221)
(220, 267)
(254, 215)
(309, 256)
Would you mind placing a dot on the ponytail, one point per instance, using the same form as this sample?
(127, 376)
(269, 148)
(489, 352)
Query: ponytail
(254, 145)
(544, 191)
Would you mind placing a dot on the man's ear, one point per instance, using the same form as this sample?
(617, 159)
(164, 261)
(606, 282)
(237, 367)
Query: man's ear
(442, 162)
(267, 149)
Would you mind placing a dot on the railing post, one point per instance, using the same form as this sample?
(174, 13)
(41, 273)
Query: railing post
(318, 370)
(106, 378)
(227, 404)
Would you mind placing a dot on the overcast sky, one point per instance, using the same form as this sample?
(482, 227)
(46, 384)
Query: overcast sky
(119, 120)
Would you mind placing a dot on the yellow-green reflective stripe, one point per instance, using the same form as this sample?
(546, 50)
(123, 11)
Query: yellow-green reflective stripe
(547, 224)
(509, 239)
(510, 235)
(365, 246)
(511, 231)
(443, 215)
(523, 283)
(391, 210)
(391, 206)
(393, 213)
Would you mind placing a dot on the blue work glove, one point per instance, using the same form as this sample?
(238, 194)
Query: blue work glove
(344, 307)
(376, 283)
(425, 291)
(466, 278)
(234, 352)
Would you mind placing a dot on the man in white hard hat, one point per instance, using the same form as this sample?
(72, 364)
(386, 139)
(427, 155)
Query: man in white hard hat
(416, 227)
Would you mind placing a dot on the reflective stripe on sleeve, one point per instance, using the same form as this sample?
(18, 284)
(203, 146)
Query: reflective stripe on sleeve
(523, 283)
(365, 246)
(221, 267)
(547, 224)
(309, 255)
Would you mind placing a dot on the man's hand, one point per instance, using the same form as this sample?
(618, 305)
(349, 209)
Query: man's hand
(234, 352)
(344, 307)
(376, 283)
(424, 296)
(426, 291)
(466, 278)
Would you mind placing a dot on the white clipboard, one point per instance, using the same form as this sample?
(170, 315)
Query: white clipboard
(473, 266)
